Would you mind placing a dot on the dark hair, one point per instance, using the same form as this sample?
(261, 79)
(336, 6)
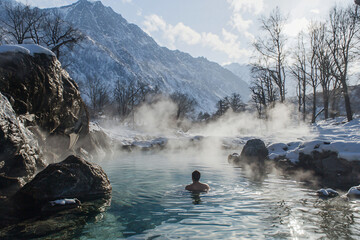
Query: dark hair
(196, 175)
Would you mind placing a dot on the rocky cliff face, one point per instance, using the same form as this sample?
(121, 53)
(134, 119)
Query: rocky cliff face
(37, 85)
(41, 117)
(40, 108)
(20, 155)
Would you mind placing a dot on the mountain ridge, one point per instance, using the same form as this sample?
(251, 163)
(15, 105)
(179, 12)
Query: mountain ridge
(133, 54)
(115, 50)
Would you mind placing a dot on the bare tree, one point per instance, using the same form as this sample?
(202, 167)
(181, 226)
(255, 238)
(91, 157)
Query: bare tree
(325, 62)
(127, 96)
(185, 104)
(264, 93)
(235, 103)
(222, 106)
(23, 22)
(203, 117)
(36, 29)
(299, 70)
(314, 71)
(343, 29)
(2, 34)
(20, 20)
(272, 47)
(97, 92)
(58, 33)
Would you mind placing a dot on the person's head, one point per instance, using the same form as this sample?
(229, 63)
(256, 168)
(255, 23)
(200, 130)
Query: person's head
(196, 176)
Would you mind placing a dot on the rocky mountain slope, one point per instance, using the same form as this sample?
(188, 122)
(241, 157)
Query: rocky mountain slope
(114, 49)
(243, 71)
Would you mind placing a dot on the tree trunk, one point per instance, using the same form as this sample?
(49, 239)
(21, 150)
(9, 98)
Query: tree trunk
(313, 118)
(326, 103)
(347, 101)
(304, 100)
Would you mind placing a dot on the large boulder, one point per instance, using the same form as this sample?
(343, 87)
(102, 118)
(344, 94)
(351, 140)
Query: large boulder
(71, 178)
(332, 170)
(254, 152)
(20, 156)
(35, 83)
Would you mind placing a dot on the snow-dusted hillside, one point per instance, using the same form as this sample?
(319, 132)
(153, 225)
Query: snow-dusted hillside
(114, 49)
(243, 71)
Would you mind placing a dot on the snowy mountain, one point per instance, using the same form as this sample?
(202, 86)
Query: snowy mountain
(243, 71)
(115, 49)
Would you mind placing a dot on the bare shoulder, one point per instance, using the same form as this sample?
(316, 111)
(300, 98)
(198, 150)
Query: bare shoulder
(188, 187)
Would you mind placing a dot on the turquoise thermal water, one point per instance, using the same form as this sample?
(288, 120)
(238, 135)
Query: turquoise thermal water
(149, 202)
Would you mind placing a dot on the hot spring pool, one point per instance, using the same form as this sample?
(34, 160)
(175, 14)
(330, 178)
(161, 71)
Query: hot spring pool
(149, 202)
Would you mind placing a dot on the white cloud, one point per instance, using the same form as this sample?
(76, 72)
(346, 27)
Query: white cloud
(249, 36)
(179, 32)
(183, 33)
(315, 11)
(239, 23)
(154, 23)
(227, 43)
(295, 26)
(251, 6)
(238, 7)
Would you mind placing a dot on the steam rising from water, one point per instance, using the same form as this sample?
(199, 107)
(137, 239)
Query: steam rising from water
(283, 123)
(209, 144)
(214, 140)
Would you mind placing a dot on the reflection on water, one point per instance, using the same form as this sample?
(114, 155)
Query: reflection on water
(149, 202)
(196, 197)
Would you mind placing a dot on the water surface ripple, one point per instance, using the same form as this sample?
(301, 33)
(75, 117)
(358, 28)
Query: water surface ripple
(149, 202)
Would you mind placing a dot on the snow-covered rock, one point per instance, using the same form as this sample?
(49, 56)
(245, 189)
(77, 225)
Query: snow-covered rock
(329, 192)
(354, 192)
(31, 49)
(64, 201)
(335, 135)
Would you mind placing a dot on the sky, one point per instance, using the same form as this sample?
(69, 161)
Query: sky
(219, 30)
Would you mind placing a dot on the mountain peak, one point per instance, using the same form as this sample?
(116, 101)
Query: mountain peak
(88, 2)
(116, 50)
(84, 3)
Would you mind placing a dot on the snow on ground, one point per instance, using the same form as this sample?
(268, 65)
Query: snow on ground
(130, 136)
(30, 49)
(331, 135)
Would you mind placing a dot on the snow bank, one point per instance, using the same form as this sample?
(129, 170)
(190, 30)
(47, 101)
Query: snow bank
(331, 135)
(13, 48)
(30, 49)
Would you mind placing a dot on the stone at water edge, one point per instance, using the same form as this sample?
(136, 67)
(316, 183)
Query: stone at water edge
(71, 178)
(254, 151)
(329, 192)
(354, 192)
(234, 158)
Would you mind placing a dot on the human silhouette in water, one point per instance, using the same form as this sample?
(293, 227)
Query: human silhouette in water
(196, 185)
